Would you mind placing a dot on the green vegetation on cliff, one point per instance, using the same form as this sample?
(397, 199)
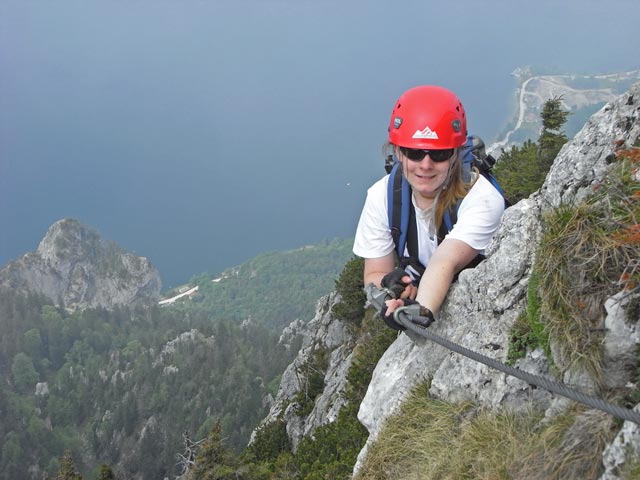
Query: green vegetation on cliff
(120, 387)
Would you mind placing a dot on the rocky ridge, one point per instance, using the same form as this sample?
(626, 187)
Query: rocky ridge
(76, 268)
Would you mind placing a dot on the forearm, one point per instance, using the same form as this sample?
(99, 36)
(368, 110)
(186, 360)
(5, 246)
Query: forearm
(449, 258)
(434, 284)
(376, 268)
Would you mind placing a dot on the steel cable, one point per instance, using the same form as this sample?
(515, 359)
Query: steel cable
(550, 385)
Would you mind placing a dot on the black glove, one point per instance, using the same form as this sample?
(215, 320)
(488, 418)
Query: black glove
(389, 320)
(393, 281)
(417, 314)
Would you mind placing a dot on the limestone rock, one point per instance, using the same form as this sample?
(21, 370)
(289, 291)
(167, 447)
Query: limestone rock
(335, 338)
(75, 267)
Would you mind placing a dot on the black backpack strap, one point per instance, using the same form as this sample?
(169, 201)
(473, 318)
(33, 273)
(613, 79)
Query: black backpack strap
(402, 220)
(399, 208)
(449, 219)
(413, 259)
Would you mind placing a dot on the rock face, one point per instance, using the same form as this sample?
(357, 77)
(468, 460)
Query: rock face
(75, 267)
(483, 305)
(334, 341)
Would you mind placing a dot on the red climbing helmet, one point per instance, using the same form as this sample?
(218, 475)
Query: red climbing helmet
(428, 117)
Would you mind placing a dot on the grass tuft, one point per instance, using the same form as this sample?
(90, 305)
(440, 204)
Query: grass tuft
(631, 469)
(528, 332)
(588, 252)
(431, 439)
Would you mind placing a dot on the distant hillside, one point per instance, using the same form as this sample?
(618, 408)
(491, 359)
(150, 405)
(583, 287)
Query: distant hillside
(273, 289)
(119, 383)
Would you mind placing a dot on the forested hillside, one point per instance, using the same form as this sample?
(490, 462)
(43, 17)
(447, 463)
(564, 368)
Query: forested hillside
(120, 387)
(273, 288)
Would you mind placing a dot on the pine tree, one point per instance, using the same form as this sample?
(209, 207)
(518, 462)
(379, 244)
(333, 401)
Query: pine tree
(24, 373)
(105, 473)
(350, 288)
(522, 170)
(67, 469)
(552, 138)
(517, 171)
(214, 461)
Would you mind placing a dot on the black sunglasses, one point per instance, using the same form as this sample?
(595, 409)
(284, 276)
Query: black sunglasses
(417, 154)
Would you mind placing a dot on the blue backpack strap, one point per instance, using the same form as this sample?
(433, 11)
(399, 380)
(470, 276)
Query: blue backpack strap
(449, 219)
(398, 202)
(466, 153)
(489, 176)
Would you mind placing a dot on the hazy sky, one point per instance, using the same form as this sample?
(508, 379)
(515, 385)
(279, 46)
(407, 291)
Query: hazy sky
(201, 133)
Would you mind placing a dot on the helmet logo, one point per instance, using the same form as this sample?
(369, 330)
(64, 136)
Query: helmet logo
(426, 133)
(397, 122)
(456, 125)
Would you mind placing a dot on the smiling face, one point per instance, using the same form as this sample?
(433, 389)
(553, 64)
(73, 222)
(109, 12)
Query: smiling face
(426, 177)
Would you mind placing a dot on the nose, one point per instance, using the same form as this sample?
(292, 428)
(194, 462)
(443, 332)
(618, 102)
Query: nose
(426, 162)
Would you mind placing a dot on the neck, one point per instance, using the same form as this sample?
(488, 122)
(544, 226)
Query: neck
(423, 201)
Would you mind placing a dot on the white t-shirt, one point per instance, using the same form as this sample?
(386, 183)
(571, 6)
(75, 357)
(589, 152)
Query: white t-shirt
(478, 219)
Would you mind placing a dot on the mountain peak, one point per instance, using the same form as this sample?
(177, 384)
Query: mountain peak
(68, 238)
(74, 266)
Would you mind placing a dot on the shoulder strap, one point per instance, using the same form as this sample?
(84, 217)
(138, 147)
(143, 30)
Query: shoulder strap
(449, 219)
(451, 215)
(398, 197)
(474, 155)
(413, 260)
(402, 219)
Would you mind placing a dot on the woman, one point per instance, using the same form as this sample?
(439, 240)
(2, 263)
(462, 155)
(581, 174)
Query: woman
(427, 128)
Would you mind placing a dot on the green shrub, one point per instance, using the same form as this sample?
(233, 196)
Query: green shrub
(270, 441)
(312, 374)
(332, 450)
(528, 331)
(349, 286)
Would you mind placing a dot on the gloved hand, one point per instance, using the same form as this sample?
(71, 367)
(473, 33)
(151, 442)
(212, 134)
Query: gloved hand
(389, 320)
(417, 313)
(394, 281)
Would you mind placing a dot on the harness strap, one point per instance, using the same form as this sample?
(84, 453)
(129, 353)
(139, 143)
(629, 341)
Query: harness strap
(413, 259)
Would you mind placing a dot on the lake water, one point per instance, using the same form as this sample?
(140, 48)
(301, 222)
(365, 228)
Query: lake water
(201, 133)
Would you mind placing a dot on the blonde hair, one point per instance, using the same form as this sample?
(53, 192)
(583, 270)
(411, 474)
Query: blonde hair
(453, 189)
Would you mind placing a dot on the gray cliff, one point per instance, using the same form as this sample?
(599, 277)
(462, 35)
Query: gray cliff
(76, 268)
